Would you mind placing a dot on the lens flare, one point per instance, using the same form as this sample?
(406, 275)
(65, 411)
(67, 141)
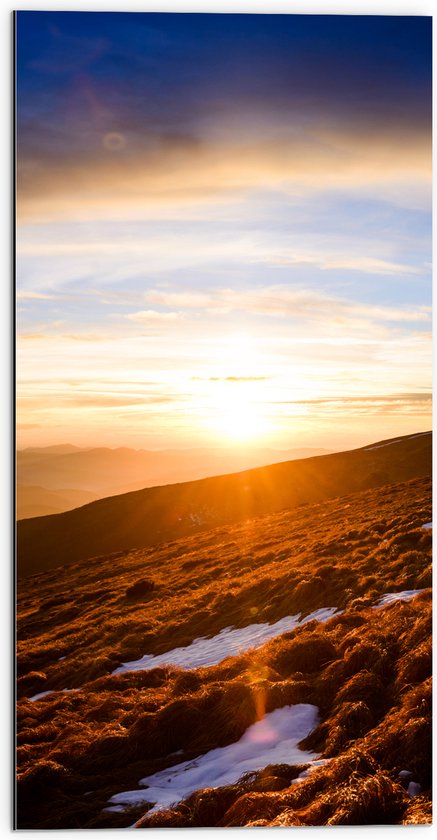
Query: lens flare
(113, 141)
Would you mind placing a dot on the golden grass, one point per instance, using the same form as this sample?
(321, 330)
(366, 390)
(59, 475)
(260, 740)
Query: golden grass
(367, 670)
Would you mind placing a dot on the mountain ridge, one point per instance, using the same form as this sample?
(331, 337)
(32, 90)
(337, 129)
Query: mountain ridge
(106, 471)
(160, 514)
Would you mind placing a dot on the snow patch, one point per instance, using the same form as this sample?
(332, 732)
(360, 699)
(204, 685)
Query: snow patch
(427, 525)
(391, 442)
(38, 696)
(52, 691)
(272, 740)
(391, 597)
(117, 808)
(231, 641)
(313, 765)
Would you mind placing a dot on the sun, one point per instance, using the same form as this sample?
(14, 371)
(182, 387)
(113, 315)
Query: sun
(240, 421)
(234, 396)
(237, 411)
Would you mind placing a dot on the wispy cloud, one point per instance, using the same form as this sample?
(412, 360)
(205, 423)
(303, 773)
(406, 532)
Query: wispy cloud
(152, 316)
(103, 401)
(345, 405)
(33, 336)
(230, 378)
(367, 265)
(283, 301)
(376, 399)
(50, 333)
(27, 294)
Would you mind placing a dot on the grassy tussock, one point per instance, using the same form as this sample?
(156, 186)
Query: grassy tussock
(419, 812)
(138, 589)
(305, 655)
(367, 670)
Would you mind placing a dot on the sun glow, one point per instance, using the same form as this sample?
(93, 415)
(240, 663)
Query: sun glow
(235, 394)
(240, 421)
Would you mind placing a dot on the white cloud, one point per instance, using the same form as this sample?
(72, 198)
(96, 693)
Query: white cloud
(284, 301)
(152, 316)
(368, 265)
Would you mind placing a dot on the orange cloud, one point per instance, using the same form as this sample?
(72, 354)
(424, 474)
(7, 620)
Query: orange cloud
(177, 174)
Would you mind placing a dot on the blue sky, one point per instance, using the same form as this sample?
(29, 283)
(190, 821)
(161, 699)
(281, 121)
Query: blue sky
(224, 228)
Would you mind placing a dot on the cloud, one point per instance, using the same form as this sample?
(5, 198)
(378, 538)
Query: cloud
(152, 316)
(33, 337)
(87, 337)
(375, 399)
(377, 405)
(26, 294)
(282, 301)
(183, 300)
(230, 378)
(49, 334)
(330, 262)
(46, 399)
(309, 160)
(104, 401)
(370, 265)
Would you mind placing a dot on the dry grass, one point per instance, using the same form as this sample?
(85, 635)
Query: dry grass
(367, 670)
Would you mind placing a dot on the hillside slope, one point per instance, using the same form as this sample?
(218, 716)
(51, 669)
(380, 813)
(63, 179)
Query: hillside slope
(157, 514)
(109, 472)
(115, 630)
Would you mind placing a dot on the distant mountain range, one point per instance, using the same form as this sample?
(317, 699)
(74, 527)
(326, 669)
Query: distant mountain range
(161, 514)
(34, 500)
(53, 479)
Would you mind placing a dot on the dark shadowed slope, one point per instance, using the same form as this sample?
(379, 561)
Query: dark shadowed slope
(159, 514)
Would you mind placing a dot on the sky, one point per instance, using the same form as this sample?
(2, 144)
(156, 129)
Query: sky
(223, 229)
